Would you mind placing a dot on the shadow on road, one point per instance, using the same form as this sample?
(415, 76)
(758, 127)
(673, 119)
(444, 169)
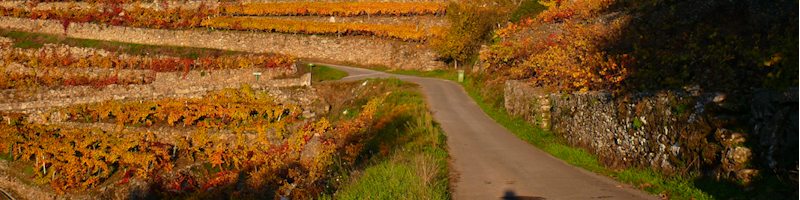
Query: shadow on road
(509, 195)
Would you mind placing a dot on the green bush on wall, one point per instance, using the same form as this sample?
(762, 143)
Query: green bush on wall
(529, 8)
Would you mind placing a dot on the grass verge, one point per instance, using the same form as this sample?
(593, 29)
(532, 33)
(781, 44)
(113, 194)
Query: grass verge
(405, 157)
(324, 73)
(439, 73)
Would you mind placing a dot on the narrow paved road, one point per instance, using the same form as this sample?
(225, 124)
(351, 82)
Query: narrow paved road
(493, 163)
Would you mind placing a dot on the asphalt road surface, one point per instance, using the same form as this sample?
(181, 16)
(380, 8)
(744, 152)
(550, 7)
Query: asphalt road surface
(493, 163)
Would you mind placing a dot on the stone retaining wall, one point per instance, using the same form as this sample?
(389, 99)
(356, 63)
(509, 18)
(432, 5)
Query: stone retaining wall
(425, 21)
(170, 80)
(167, 85)
(278, 1)
(674, 131)
(362, 50)
(189, 4)
(422, 21)
(128, 75)
(155, 5)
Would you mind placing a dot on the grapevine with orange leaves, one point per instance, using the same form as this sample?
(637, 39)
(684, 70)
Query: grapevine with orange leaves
(76, 159)
(202, 17)
(402, 32)
(241, 109)
(48, 59)
(334, 8)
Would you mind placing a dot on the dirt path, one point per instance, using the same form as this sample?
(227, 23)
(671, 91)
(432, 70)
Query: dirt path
(491, 162)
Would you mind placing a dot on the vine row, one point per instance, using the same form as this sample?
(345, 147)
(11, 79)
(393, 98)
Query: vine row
(202, 17)
(72, 160)
(402, 32)
(238, 109)
(50, 58)
(334, 8)
(77, 158)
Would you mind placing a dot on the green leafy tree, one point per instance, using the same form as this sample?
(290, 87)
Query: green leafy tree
(471, 23)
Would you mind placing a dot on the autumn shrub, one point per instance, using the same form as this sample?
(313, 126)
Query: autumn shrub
(577, 58)
(574, 59)
(574, 10)
(637, 45)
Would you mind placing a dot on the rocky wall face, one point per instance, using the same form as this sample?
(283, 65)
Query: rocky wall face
(622, 134)
(532, 104)
(362, 50)
(674, 131)
(774, 120)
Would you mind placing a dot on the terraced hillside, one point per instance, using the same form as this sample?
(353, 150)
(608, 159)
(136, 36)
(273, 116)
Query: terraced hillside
(399, 39)
(129, 99)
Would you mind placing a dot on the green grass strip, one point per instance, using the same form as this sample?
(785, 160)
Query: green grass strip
(324, 73)
(408, 157)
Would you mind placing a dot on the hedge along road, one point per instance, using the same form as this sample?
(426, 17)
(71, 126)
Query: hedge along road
(493, 163)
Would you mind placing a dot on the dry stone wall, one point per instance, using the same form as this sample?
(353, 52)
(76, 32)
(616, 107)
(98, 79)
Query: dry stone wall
(195, 84)
(131, 75)
(76, 52)
(124, 75)
(675, 131)
(158, 84)
(4, 42)
(154, 5)
(422, 21)
(280, 1)
(362, 50)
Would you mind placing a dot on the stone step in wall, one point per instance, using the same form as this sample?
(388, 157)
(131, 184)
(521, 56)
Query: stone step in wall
(361, 50)
(674, 131)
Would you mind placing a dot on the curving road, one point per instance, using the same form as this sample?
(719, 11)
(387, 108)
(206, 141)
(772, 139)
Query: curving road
(5, 195)
(493, 163)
